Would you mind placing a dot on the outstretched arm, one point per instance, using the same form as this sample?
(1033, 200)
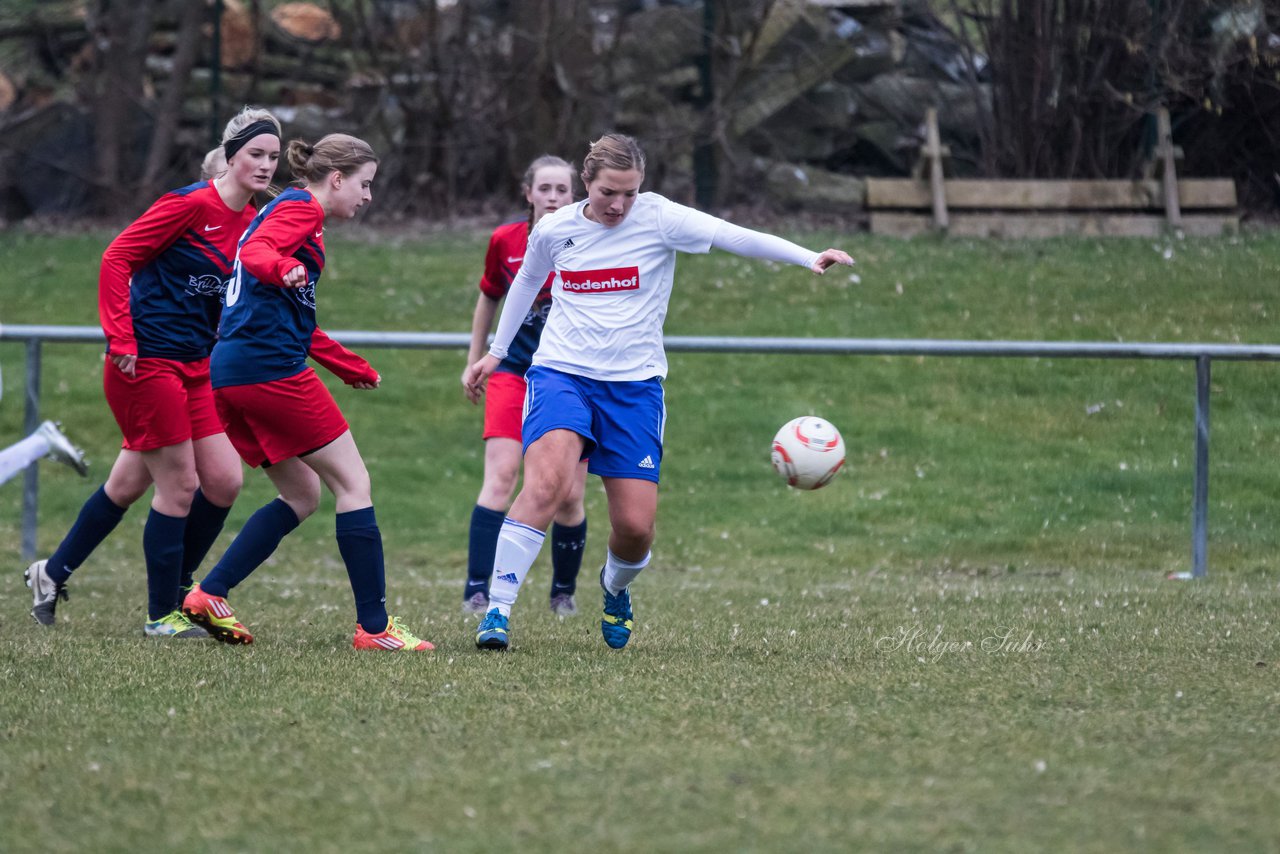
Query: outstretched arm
(758, 244)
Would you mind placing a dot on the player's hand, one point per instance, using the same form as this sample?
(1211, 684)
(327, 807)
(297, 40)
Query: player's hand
(471, 393)
(127, 363)
(365, 384)
(829, 259)
(295, 278)
(477, 376)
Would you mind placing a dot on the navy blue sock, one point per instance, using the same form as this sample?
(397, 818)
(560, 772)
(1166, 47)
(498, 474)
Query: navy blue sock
(204, 523)
(486, 524)
(256, 541)
(98, 517)
(360, 543)
(567, 546)
(162, 548)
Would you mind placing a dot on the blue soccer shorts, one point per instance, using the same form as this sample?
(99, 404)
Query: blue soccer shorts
(622, 422)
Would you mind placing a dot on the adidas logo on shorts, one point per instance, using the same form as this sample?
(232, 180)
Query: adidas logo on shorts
(646, 463)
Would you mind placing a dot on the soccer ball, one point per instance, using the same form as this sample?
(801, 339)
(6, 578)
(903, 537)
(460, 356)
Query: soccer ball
(807, 452)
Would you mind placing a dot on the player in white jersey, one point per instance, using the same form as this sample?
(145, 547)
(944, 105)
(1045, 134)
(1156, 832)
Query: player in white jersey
(595, 387)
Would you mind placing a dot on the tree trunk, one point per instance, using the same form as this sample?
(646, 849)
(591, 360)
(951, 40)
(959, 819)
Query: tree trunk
(123, 29)
(169, 111)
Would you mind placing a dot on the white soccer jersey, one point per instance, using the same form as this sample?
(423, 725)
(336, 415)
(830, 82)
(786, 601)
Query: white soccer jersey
(612, 286)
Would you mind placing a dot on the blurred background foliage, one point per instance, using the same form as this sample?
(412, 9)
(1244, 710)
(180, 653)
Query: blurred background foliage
(775, 104)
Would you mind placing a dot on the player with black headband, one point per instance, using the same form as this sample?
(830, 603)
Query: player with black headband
(159, 299)
(278, 413)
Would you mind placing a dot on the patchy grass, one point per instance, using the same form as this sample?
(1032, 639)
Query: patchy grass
(964, 643)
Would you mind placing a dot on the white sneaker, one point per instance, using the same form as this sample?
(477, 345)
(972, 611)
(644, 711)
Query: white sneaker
(60, 448)
(45, 593)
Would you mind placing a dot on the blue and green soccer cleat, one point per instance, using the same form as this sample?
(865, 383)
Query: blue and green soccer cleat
(616, 623)
(492, 632)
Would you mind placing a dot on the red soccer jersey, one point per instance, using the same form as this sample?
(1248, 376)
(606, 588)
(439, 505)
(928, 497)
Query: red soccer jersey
(268, 330)
(501, 263)
(162, 279)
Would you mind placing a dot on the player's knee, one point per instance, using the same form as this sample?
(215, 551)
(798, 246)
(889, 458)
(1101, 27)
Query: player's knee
(179, 488)
(302, 505)
(571, 508)
(573, 497)
(547, 494)
(355, 490)
(124, 490)
(636, 531)
(224, 488)
(302, 498)
(498, 488)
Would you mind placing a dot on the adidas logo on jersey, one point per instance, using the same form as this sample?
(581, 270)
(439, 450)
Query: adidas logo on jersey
(567, 243)
(509, 577)
(646, 463)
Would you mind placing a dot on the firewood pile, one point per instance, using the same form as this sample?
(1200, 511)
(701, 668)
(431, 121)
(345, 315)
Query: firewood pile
(795, 100)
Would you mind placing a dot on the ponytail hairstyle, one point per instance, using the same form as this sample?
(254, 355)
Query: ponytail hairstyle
(214, 164)
(311, 164)
(526, 183)
(612, 151)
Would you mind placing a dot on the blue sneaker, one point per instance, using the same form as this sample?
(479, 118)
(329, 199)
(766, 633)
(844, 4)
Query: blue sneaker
(492, 633)
(616, 623)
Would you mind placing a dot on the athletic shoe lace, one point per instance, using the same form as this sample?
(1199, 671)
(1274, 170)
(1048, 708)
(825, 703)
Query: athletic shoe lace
(618, 606)
(396, 629)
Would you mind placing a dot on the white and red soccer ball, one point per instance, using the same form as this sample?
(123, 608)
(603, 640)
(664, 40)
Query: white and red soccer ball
(808, 452)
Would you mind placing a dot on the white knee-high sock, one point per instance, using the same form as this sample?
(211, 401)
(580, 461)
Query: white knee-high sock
(518, 547)
(619, 573)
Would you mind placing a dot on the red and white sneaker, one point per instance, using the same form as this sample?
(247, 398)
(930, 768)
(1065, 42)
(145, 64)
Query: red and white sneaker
(215, 615)
(393, 639)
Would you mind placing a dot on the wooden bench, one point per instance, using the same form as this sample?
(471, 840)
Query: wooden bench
(906, 207)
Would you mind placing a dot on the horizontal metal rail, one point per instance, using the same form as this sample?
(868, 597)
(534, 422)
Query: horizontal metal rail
(1201, 354)
(731, 344)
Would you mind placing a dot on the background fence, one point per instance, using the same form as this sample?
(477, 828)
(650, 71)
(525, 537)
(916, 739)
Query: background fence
(1201, 354)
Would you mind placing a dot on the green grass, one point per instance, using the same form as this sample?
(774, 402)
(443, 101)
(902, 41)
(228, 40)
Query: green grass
(815, 671)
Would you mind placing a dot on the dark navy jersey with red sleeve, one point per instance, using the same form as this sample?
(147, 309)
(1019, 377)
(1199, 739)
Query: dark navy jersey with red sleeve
(161, 281)
(501, 263)
(267, 328)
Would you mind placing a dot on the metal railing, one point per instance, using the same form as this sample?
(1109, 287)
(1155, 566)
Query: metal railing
(1201, 354)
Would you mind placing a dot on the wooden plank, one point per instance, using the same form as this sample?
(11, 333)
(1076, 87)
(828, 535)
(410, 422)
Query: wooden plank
(1032, 225)
(856, 4)
(1193, 194)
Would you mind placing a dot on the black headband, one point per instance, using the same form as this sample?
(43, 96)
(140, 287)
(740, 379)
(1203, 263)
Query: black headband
(238, 141)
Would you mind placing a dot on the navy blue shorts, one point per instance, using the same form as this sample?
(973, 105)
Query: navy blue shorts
(622, 422)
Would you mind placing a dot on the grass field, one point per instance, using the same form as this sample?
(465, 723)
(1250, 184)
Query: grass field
(966, 643)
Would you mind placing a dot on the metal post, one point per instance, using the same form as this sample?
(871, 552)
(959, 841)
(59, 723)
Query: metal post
(31, 480)
(1200, 497)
